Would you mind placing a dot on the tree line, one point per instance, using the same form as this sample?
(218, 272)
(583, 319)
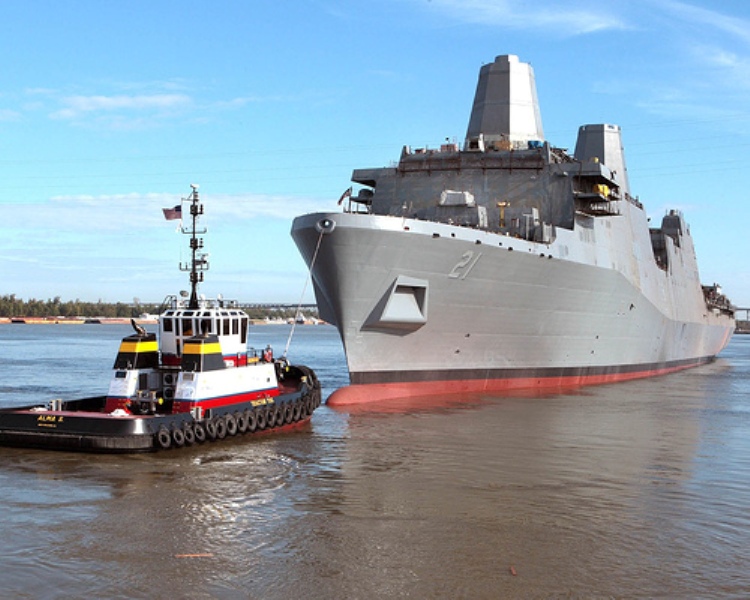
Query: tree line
(11, 306)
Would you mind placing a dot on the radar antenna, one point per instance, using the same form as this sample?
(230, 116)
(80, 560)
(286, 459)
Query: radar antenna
(199, 261)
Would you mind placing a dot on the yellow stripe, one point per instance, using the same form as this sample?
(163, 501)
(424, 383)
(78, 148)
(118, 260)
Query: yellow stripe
(193, 348)
(133, 347)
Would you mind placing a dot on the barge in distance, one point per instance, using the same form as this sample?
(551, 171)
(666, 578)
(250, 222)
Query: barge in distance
(508, 263)
(197, 382)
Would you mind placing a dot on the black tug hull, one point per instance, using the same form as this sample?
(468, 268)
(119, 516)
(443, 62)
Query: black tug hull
(81, 425)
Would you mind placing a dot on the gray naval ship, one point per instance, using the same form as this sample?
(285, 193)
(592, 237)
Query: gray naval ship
(507, 264)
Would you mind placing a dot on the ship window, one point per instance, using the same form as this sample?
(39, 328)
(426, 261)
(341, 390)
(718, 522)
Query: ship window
(120, 374)
(235, 326)
(167, 325)
(226, 326)
(187, 327)
(243, 331)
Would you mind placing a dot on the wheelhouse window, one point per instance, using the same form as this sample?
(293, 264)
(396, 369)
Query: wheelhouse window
(187, 327)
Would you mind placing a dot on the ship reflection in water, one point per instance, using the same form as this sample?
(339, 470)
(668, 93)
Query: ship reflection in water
(638, 489)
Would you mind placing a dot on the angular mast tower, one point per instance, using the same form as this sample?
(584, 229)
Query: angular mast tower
(505, 104)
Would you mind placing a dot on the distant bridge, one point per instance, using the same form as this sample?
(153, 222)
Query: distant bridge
(277, 306)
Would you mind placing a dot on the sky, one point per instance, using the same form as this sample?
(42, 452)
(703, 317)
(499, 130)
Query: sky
(110, 110)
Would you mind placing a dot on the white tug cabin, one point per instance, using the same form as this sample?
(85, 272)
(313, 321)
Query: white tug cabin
(201, 360)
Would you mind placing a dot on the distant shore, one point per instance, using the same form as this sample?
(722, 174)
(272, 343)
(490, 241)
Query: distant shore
(126, 321)
(75, 320)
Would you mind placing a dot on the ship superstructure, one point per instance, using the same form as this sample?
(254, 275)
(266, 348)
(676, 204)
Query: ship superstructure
(507, 263)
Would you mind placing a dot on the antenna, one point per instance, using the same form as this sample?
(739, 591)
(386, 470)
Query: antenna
(199, 261)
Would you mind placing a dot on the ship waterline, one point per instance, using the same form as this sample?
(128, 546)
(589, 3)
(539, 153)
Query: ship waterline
(506, 265)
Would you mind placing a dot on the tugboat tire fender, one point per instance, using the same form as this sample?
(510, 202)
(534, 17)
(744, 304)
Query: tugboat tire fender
(221, 427)
(252, 421)
(200, 433)
(231, 424)
(297, 410)
(241, 418)
(163, 438)
(210, 429)
(274, 417)
(288, 413)
(262, 421)
(178, 437)
(189, 435)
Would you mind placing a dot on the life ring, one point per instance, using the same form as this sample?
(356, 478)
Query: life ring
(200, 433)
(231, 424)
(241, 418)
(221, 427)
(163, 438)
(210, 429)
(189, 435)
(252, 420)
(261, 420)
(178, 437)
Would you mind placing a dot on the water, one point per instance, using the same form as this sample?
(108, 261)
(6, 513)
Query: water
(634, 490)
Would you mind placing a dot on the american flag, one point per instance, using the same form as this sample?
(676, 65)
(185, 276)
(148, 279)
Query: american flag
(345, 195)
(170, 214)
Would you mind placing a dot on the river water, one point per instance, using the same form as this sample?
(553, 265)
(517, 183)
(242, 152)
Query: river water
(634, 490)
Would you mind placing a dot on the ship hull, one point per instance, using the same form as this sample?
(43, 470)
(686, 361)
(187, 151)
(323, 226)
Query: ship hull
(425, 308)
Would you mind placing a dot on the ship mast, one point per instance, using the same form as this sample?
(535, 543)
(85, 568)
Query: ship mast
(199, 261)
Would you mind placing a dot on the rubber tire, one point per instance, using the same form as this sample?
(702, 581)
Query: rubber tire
(261, 420)
(210, 429)
(272, 417)
(189, 435)
(297, 410)
(178, 437)
(200, 433)
(163, 438)
(288, 413)
(221, 428)
(231, 424)
(241, 418)
(252, 420)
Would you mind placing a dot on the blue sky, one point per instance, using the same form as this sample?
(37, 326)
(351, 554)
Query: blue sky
(110, 110)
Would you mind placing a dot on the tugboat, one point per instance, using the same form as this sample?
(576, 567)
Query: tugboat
(197, 382)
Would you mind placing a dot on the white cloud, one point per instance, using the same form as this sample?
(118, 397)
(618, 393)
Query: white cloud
(7, 114)
(573, 18)
(77, 106)
(704, 17)
(135, 209)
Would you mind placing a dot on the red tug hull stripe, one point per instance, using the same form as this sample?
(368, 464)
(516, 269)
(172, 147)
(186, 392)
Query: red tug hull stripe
(220, 401)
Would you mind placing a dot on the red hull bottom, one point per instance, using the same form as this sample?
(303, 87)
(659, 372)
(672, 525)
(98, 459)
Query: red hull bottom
(360, 394)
